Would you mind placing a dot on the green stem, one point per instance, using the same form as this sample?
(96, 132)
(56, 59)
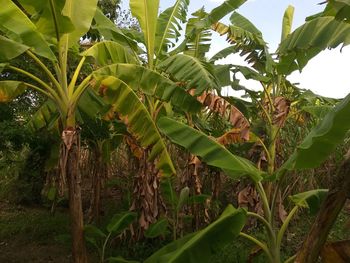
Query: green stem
(265, 148)
(291, 259)
(39, 90)
(274, 198)
(259, 243)
(80, 89)
(268, 97)
(104, 248)
(46, 70)
(264, 221)
(75, 77)
(264, 199)
(265, 112)
(284, 226)
(42, 83)
(272, 148)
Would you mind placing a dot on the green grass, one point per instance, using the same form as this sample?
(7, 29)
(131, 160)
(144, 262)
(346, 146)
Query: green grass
(33, 225)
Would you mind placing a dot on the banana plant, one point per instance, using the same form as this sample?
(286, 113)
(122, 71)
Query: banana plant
(46, 40)
(49, 32)
(159, 35)
(245, 38)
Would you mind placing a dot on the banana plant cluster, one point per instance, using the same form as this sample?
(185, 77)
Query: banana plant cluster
(140, 84)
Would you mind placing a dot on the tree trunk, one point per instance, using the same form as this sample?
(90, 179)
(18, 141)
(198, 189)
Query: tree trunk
(70, 160)
(146, 195)
(99, 173)
(327, 215)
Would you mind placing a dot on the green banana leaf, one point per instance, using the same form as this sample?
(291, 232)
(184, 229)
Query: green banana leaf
(157, 229)
(10, 89)
(109, 31)
(310, 39)
(3, 66)
(16, 25)
(222, 10)
(45, 116)
(110, 52)
(322, 139)
(194, 72)
(318, 112)
(198, 247)
(47, 24)
(246, 39)
(198, 37)
(310, 199)
(10, 49)
(138, 120)
(287, 22)
(120, 222)
(151, 83)
(209, 150)
(146, 12)
(224, 53)
(81, 13)
(168, 26)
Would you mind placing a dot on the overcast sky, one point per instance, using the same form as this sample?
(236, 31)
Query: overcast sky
(327, 74)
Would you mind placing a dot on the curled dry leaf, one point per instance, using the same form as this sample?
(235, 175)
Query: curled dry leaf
(240, 124)
(134, 147)
(282, 107)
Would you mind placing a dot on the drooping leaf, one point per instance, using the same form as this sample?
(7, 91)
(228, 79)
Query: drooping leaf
(15, 23)
(198, 247)
(138, 120)
(223, 74)
(198, 38)
(157, 229)
(310, 199)
(318, 112)
(146, 11)
(110, 52)
(322, 139)
(190, 70)
(10, 49)
(222, 10)
(209, 150)
(92, 105)
(120, 222)
(227, 111)
(250, 73)
(81, 13)
(151, 83)
(247, 40)
(310, 39)
(10, 89)
(168, 26)
(93, 231)
(224, 53)
(45, 116)
(110, 31)
(52, 26)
